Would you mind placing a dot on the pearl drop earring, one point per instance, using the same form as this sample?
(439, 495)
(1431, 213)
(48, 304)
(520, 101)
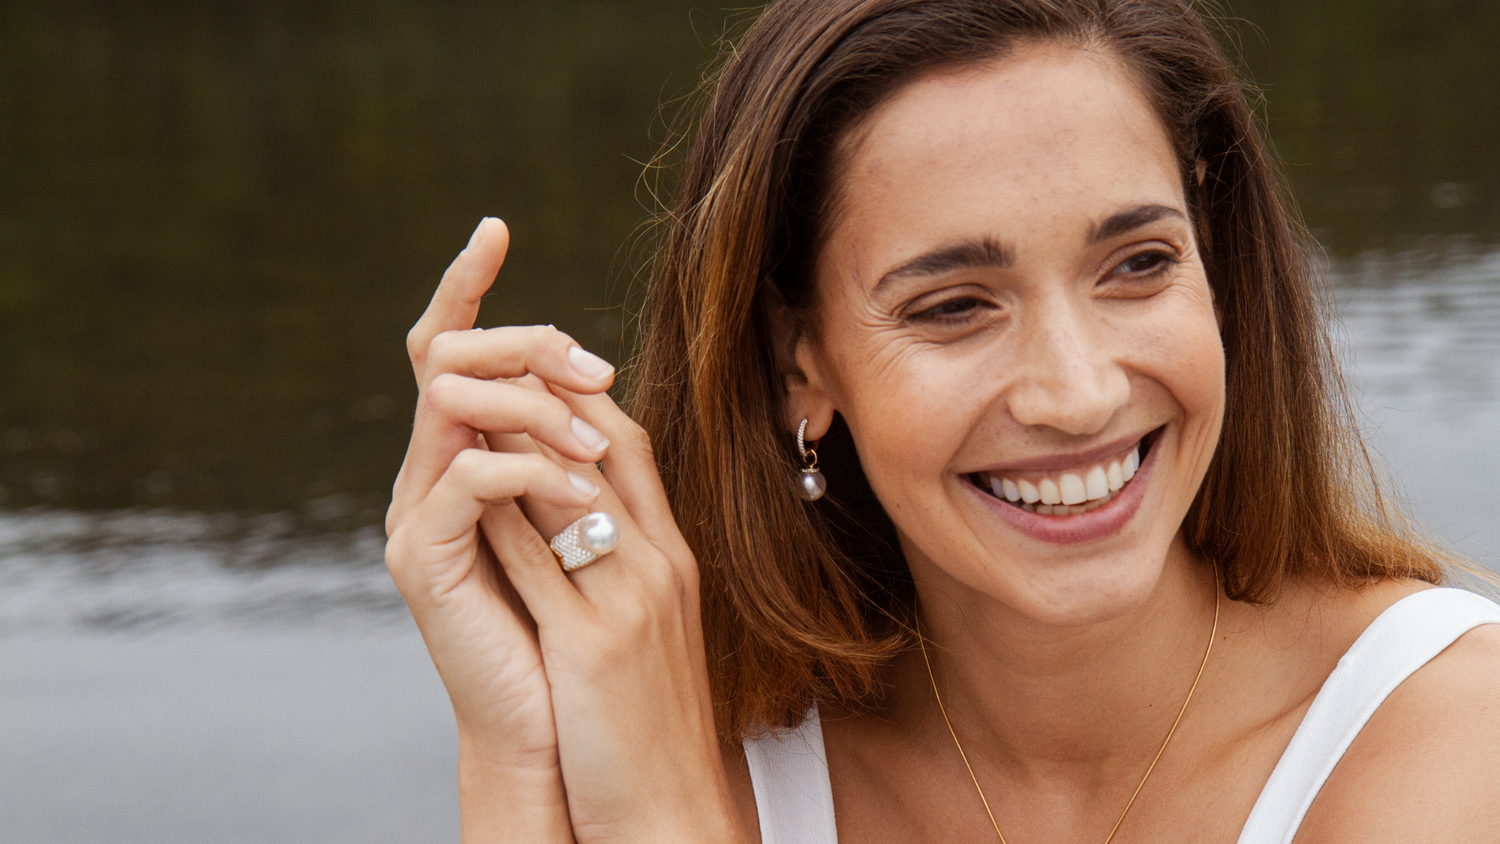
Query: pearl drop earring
(811, 485)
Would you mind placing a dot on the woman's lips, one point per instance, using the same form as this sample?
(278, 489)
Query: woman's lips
(1102, 515)
(1074, 490)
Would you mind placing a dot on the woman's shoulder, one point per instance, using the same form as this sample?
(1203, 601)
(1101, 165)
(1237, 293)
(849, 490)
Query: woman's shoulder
(1423, 767)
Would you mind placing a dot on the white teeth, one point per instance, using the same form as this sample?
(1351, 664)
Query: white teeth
(1072, 492)
(1072, 489)
(1098, 484)
(1050, 493)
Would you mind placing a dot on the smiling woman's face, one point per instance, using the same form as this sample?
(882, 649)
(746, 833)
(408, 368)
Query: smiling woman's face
(1014, 321)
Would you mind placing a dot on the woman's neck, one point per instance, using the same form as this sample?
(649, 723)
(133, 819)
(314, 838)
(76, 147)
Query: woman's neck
(1044, 700)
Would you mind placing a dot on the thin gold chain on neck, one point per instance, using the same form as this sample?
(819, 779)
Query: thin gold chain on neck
(921, 641)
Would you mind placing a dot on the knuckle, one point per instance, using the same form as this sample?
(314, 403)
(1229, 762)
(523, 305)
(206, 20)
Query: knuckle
(688, 585)
(396, 554)
(392, 522)
(538, 408)
(672, 586)
(536, 549)
(442, 391)
(416, 345)
(467, 464)
(635, 619)
(440, 349)
(532, 336)
(549, 339)
(553, 411)
(674, 583)
(659, 579)
(636, 437)
(547, 334)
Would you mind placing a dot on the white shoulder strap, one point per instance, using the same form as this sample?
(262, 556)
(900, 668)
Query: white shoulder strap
(1404, 638)
(793, 795)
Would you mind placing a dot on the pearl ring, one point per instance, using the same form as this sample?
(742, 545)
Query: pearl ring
(586, 540)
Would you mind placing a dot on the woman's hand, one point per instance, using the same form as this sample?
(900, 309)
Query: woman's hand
(479, 633)
(595, 680)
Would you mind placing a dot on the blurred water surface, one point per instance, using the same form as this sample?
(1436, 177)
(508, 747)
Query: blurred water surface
(217, 222)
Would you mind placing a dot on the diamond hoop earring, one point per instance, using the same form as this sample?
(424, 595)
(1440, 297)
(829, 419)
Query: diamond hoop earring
(811, 485)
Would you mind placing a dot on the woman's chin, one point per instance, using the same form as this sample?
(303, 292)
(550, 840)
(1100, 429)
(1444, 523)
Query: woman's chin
(1092, 591)
(1073, 592)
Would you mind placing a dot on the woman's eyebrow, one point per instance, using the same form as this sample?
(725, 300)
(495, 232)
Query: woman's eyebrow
(1130, 219)
(970, 254)
(992, 254)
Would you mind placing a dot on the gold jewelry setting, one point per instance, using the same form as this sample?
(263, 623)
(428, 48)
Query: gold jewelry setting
(811, 485)
(1213, 632)
(586, 540)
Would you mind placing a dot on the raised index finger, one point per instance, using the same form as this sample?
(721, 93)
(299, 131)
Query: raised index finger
(455, 305)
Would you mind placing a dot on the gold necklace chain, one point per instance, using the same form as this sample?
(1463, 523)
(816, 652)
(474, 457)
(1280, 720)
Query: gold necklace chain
(921, 641)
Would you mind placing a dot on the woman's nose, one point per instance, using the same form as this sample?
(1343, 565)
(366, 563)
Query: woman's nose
(1068, 378)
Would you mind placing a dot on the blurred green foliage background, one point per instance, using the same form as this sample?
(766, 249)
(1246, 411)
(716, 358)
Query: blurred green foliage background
(217, 221)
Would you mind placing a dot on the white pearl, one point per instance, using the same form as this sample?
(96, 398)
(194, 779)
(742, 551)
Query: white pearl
(813, 486)
(599, 533)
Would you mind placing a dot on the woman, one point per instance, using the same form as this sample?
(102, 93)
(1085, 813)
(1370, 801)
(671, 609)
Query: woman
(1098, 528)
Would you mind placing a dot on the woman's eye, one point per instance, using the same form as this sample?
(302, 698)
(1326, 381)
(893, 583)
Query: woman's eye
(1145, 262)
(949, 311)
(1142, 274)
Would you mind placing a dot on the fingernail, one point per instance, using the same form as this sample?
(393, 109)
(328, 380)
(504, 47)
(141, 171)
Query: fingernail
(588, 434)
(583, 485)
(588, 364)
(474, 238)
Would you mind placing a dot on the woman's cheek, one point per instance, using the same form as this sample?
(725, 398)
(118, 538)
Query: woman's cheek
(909, 411)
(1177, 343)
(1201, 370)
(1188, 361)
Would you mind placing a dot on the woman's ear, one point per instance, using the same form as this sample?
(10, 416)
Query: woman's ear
(803, 380)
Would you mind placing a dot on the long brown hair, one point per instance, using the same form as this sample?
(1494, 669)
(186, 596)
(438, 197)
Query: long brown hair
(805, 603)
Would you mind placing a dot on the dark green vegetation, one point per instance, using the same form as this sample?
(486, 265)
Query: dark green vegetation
(1387, 113)
(217, 223)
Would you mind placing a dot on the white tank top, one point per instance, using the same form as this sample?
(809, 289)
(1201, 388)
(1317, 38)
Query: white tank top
(794, 799)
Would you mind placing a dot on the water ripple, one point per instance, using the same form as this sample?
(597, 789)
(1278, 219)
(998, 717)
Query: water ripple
(143, 571)
(1424, 338)
(1423, 345)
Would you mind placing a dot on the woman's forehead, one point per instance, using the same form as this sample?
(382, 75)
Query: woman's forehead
(1049, 134)
(1039, 92)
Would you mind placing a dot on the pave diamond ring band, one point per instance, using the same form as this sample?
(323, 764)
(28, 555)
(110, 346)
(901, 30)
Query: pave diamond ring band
(586, 540)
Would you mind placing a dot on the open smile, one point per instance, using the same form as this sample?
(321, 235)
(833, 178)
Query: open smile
(1092, 498)
(1069, 492)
